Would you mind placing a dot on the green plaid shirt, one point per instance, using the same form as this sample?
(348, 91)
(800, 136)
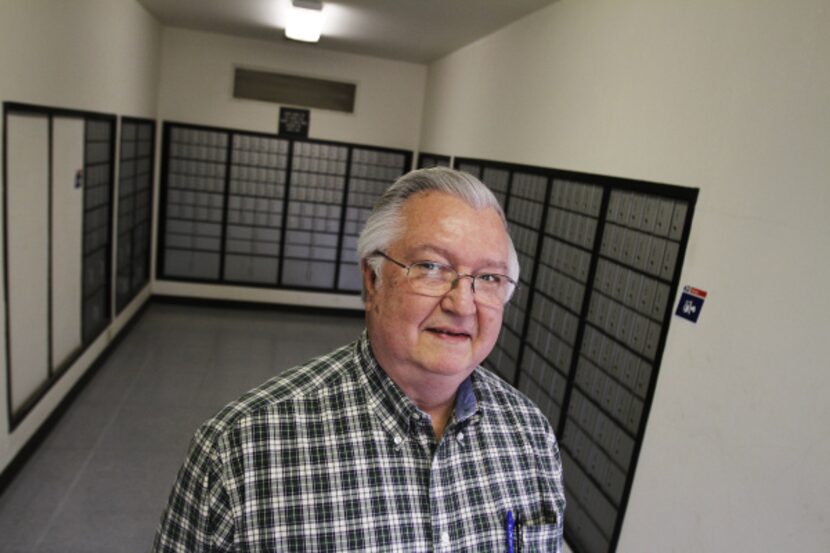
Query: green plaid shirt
(332, 456)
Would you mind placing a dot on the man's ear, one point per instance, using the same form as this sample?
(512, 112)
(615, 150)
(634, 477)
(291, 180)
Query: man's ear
(370, 279)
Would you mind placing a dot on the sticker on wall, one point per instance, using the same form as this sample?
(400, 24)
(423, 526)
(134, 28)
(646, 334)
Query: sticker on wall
(690, 304)
(294, 122)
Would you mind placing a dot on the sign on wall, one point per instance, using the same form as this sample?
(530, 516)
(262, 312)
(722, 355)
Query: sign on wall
(294, 122)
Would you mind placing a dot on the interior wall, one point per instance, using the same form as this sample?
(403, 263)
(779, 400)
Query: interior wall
(196, 86)
(94, 55)
(731, 98)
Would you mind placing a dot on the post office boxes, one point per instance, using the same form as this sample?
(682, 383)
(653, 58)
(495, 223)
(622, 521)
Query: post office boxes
(605, 516)
(669, 260)
(620, 280)
(656, 254)
(595, 201)
(575, 408)
(652, 340)
(625, 324)
(649, 217)
(616, 359)
(552, 222)
(661, 299)
(600, 431)
(587, 414)
(629, 367)
(589, 232)
(570, 196)
(678, 220)
(590, 343)
(635, 211)
(635, 413)
(616, 212)
(622, 447)
(621, 404)
(595, 460)
(568, 327)
(205, 265)
(602, 276)
(597, 386)
(511, 344)
(613, 482)
(563, 356)
(617, 239)
(179, 241)
(613, 318)
(582, 265)
(583, 199)
(641, 252)
(558, 388)
(557, 193)
(632, 288)
(597, 310)
(609, 394)
(574, 296)
(662, 223)
(643, 379)
(298, 251)
(645, 300)
(639, 332)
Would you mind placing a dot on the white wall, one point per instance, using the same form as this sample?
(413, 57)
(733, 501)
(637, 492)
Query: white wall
(730, 97)
(197, 87)
(96, 55)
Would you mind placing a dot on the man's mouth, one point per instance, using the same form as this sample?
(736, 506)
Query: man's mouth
(452, 333)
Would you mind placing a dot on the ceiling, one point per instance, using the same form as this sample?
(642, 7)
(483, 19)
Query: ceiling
(408, 30)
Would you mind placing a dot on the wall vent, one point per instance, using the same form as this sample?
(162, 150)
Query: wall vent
(280, 88)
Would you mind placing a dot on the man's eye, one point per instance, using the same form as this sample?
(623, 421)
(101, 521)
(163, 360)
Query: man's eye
(490, 278)
(430, 267)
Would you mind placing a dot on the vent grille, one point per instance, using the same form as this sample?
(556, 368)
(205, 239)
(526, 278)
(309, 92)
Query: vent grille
(280, 88)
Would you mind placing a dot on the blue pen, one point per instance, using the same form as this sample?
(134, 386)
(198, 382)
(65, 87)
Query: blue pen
(510, 525)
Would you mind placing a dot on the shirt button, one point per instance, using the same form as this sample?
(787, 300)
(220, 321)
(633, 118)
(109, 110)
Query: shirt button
(460, 437)
(445, 539)
(398, 440)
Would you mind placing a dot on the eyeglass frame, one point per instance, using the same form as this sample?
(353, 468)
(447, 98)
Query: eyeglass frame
(458, 276)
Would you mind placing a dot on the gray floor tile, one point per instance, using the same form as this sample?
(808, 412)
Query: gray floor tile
(128, 484)
(80, 427)
(29, 502)
(97, 529)
(138, 430)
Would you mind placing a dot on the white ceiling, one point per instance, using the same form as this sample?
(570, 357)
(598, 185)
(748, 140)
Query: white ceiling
(408, 30)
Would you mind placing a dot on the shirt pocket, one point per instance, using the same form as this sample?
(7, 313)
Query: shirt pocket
(540, 538)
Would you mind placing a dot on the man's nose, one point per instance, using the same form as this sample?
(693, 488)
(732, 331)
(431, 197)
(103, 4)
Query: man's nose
(461, 297)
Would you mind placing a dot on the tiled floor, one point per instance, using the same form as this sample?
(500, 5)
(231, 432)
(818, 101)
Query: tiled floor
(101, 478)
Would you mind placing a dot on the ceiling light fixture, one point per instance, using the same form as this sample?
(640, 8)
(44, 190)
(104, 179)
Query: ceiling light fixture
(305, 21)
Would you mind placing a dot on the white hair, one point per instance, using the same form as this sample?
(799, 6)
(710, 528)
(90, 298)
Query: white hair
(385, 223)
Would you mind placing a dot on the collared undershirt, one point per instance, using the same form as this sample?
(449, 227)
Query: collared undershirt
(332, 456)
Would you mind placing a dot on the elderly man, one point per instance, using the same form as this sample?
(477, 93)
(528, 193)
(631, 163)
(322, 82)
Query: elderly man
(398, 441)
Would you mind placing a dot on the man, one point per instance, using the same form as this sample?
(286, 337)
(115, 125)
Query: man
(399, 441)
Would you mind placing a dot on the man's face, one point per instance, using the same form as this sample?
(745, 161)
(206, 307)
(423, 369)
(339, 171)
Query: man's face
(414, 335)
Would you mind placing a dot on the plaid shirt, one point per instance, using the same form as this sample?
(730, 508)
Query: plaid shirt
(332, 456)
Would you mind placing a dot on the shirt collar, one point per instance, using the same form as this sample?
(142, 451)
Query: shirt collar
(466, 404)
(387, 401)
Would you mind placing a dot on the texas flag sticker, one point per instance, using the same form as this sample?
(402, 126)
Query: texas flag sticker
(690, 304)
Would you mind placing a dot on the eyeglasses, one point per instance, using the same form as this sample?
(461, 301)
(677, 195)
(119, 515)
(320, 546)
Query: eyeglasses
(431, 278)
